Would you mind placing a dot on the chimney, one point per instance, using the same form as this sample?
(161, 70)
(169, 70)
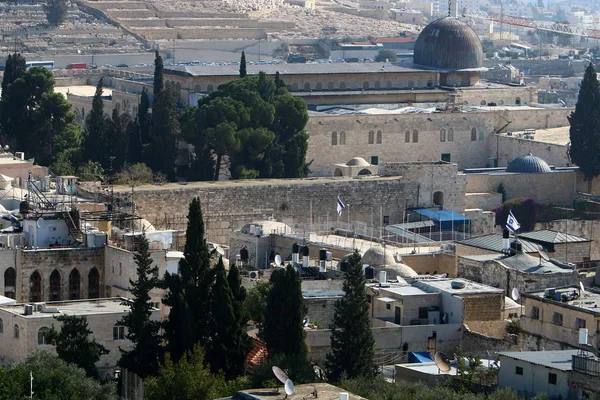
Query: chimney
(505, 239)
(295, 253)
(305, 258)
(322, 260)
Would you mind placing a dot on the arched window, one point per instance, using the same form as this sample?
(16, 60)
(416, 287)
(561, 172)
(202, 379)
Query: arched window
(333, 138)
(306, 86)
(55, 286)
(94, 284)
(42, 332)
(411, 84)
(35, 287)
(16, 331)
(342, 137)
(379, 137)
(10, 283)
(371, 137)
(438, 199)
(1, 326)
(74, 285)
(342, 85)
(118, 332)
(450, 135)
(377, 85)
(365, 84)
(501, 102)
(319, 86)
(330, 86)
(407, 136)
(198, 88)
(337, 172)
(295, 86)
(415, 136)
(388, 84)
(473, 134)
(442, 135)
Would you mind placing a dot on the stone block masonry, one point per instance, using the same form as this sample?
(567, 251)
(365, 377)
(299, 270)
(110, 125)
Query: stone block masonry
(229, 205)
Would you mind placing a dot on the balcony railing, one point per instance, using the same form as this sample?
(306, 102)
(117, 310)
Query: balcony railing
(586, 365)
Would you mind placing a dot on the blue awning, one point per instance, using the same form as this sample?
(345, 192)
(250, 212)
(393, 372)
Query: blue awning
(419, 357)
(445, 218)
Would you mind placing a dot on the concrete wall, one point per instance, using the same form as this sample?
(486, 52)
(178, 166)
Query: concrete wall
(321, 310)
(584, 228)
(534, 379)
(431, 263)
(507, 148)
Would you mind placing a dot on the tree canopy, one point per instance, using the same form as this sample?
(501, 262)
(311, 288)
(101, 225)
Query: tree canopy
(386, 55)
(56, 11)
(525, 210)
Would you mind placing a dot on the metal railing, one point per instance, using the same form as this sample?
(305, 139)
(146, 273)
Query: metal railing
(586, 365)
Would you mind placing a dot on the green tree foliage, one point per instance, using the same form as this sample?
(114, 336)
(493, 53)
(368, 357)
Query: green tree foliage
(255, 304)
(91, 171)
(67, 150)
(284, 328)
(164, 133)
(74, 345)
(525, 210)
(143, 359)
(14, 68)
(53, 379)
(56, 11)
(188, 291)
(234, 279)
(135, 174)
(386, 55)
(139, 132)
(229, 344)
(95, 143)
(352, 343)
(243, 65)
(190, 379)
(202, 166)
(159, 84)
(585, 126)
(502, 190)
(117, 142)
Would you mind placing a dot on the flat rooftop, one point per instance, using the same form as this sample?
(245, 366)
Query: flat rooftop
(556, 359)
(429, 368)
(82, 90)
(404, 291)
(322, 293)
(558, 135)
(445, 285)
(572, 296)
(74, 307)
(325, 391)
(417, 108)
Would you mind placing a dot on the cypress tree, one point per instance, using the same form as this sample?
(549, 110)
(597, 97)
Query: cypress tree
(95, 142)
(188, 291)
(585, 126)
(234, 280)
(117, 142)
(284, 316)
(352, 343)
(243, 65)
(159, 84)
(162, 149)
(144, 358)
(229, 343)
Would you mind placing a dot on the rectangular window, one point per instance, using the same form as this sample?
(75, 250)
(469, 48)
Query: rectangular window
(369, 298)
(388, 306)
(407, 137)
(423, 312)
(416, 136)
(374, 160)
(445, 157)
(579, 323)
(518, 370)
(386, 219)
(557, 318)
(551, 378)
(118, 332)
(535, 313)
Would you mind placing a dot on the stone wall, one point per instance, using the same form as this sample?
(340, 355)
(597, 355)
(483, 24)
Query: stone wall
(589, 229)
(483, 307)
(201, 33)
(507, 148)
(232, 204)
(321, 310)
(431, 263)
(482, 222)
(483, 201)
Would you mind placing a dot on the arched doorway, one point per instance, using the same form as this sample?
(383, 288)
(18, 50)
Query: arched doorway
(364, 172)
(35, 287)
(10, 283)
(94, 284)
(338, 172)
(55, 286)
(438, 199)
(74, 285)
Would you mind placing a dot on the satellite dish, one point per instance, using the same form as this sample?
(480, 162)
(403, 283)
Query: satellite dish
(289, 387)
(220, 251)
(543, 255)
(278, 260)
(515, 295)
(41, 223)
(281, 376)
(442, 361)
(581, 287)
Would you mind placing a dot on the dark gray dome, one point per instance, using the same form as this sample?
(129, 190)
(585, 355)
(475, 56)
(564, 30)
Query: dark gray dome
(528, 164)
(450, 44)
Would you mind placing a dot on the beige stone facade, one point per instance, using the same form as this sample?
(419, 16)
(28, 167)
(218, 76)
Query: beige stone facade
(21, 334)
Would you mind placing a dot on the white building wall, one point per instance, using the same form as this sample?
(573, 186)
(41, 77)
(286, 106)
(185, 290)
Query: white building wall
(534, 379)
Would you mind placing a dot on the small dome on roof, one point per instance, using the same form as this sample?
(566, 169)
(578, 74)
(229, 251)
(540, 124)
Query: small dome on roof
(358, 162)
(450, 44)
(384, 261)
(528, 164)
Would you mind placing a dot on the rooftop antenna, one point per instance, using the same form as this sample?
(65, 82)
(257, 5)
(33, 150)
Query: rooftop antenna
(442, 362)
(515, 295)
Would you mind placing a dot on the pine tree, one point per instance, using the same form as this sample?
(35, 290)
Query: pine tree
(284, 316)
(243, 65)
(352, 343)
(159, 84)
(229, 344)
(188, 291)
(585, 126)
(95, 142)
(144, 358)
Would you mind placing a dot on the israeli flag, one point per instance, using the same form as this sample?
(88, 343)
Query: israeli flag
(511, 223)
(340, 207)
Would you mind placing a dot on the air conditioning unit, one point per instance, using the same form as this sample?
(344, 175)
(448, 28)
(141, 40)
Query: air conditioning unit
(39, 307)
(254, 275)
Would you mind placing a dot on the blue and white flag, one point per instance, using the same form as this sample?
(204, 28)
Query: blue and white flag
(511, 223)
(340, 207)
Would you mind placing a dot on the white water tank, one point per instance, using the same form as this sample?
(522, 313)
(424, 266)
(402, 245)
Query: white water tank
(583, 336)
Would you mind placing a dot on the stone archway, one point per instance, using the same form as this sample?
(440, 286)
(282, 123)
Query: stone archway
(126, 120)
(338, 172)
(364, 172)
(438, 198)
